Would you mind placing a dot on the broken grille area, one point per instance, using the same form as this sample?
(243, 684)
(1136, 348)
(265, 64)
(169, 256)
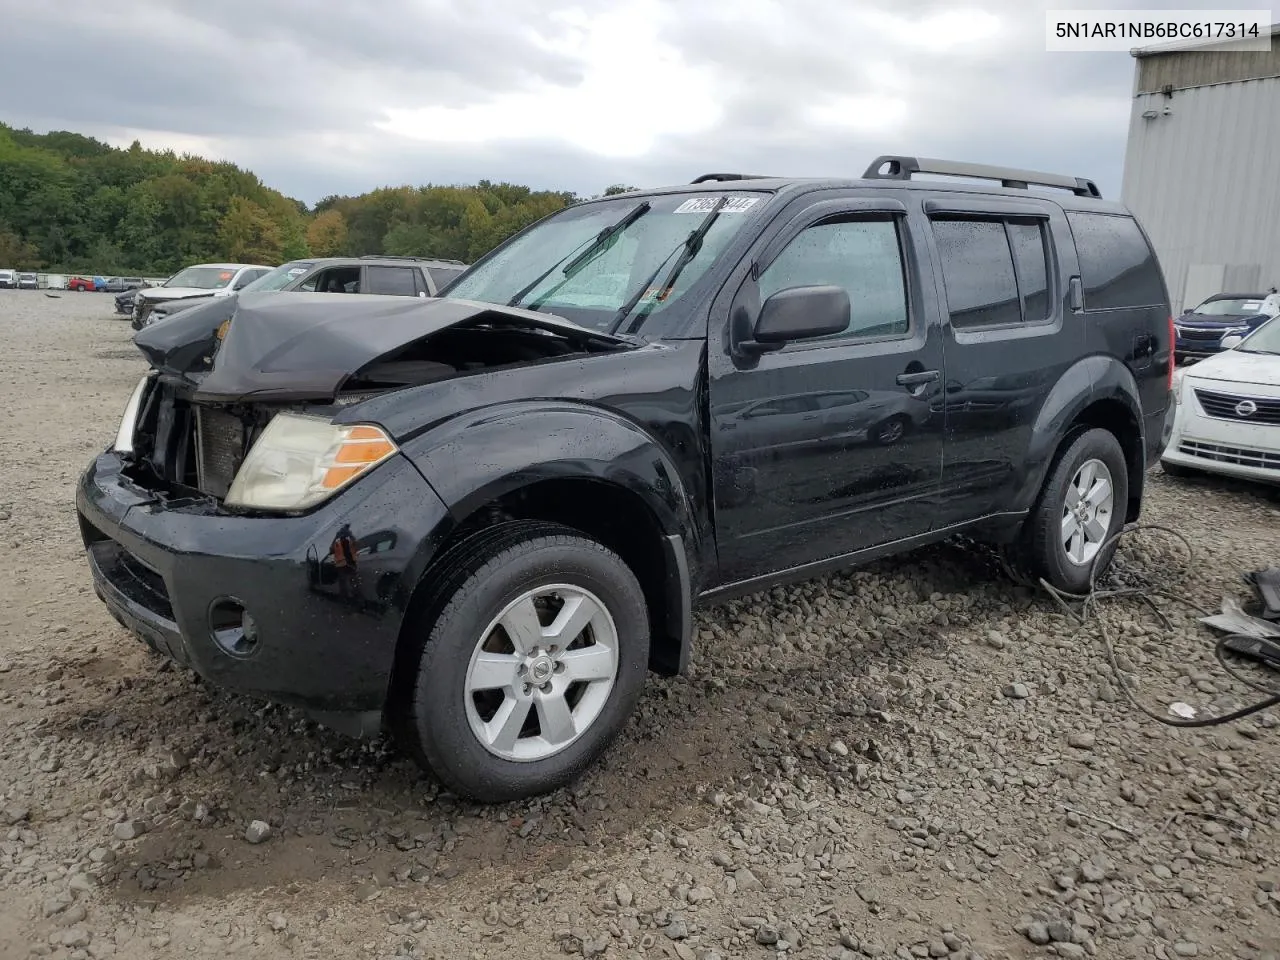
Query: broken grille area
(220, 446)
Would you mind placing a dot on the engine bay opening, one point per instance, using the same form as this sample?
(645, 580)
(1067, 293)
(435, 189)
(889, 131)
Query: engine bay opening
(472, 348)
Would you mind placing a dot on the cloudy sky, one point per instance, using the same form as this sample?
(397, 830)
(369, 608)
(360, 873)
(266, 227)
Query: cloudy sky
(321, 97)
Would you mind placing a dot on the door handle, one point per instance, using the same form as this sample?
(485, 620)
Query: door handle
(917, 379)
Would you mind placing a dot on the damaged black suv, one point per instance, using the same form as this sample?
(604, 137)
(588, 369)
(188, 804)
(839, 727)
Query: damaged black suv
(478, 520)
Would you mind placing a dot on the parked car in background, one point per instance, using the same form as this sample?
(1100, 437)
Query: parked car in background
(199, 280)
(124, 302)
(121, 284)
(81, 284)
(1228, 411)
(1200, 329)
(478, 520)
(393, 276)
(28, 281)
(8, 279)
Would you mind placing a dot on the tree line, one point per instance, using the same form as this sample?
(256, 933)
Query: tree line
(70, 203)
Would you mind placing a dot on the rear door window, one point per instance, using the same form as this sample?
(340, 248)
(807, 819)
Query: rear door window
(1117, 267)
(392, 281)
(977, 269)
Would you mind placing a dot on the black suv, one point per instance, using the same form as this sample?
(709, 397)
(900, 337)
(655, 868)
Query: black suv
(377, 274)
(478, 520)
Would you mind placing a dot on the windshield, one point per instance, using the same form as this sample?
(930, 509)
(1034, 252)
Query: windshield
(557, 268)
(280, 277)
(201, 278)
(1220, 308)
(1266, 339)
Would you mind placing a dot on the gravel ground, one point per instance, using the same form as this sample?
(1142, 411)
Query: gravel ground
(917, 759)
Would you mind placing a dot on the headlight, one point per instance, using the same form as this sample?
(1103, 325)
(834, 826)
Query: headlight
(124, 436)
(300, 461)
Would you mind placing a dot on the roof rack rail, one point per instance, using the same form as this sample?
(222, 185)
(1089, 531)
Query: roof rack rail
(730, 176)
(902, 168)
(395, 256)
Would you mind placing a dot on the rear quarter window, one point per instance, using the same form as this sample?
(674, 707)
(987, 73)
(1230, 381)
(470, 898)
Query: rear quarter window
(1117, 267)
(443, 276)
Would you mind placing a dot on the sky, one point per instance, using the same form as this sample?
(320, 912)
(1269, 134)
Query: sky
(322, 97)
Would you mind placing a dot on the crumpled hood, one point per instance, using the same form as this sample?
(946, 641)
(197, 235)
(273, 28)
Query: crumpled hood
(287, 346)
(1238, 367)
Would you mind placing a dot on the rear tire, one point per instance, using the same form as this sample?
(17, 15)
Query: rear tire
(500, 705)
(1081, 507)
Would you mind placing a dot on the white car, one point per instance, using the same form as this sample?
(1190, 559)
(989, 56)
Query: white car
(200, 280)
(1228, 411)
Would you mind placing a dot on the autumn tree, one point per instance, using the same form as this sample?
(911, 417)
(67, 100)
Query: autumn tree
(327, 234)
(247, 234)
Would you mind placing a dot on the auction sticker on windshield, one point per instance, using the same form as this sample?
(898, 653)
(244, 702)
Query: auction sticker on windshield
(707, 204)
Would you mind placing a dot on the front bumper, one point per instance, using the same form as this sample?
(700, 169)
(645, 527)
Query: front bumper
(1250, 451)
(1196, 348)
(326, 631)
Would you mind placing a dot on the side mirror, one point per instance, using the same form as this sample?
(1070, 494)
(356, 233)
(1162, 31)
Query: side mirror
(1231, 341)
(1186, 310)
(803, 313)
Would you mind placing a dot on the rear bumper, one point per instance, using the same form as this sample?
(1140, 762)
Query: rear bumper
(326, 631)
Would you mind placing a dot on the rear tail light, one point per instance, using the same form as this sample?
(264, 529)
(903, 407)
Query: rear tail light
(1172, 352)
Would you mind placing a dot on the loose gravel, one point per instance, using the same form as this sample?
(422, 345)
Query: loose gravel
(916, 759)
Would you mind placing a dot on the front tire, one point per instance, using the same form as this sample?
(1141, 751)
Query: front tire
(1081, 508)
(532, 665)
(890, 431)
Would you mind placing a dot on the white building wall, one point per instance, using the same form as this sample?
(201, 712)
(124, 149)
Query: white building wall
(1204, 180)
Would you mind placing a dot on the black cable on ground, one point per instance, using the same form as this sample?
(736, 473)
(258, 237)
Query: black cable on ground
(1145, 590)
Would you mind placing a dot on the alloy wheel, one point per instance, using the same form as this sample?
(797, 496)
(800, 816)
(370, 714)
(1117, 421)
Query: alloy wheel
(1086, 512)
(541, 672)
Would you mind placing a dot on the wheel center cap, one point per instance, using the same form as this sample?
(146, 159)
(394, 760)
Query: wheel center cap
(540, 669)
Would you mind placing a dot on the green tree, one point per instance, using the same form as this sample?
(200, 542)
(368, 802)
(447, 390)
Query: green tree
(69, 202)
(247, 234)
(16, 253)
(327, 233)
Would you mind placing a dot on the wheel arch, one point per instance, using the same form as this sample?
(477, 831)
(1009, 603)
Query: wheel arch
(591, 471)
(1096, 392)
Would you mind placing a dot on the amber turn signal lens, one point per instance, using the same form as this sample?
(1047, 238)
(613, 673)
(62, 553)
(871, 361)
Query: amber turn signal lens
(362, 448)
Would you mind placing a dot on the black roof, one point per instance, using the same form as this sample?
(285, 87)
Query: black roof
(1235, 296)
(897, 172)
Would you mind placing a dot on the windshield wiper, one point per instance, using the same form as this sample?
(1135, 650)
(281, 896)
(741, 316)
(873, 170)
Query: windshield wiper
(574, 261)
(688, 250)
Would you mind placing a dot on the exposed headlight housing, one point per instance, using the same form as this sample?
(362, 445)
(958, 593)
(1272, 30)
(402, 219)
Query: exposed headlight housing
(300, 461)
(128, 422)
